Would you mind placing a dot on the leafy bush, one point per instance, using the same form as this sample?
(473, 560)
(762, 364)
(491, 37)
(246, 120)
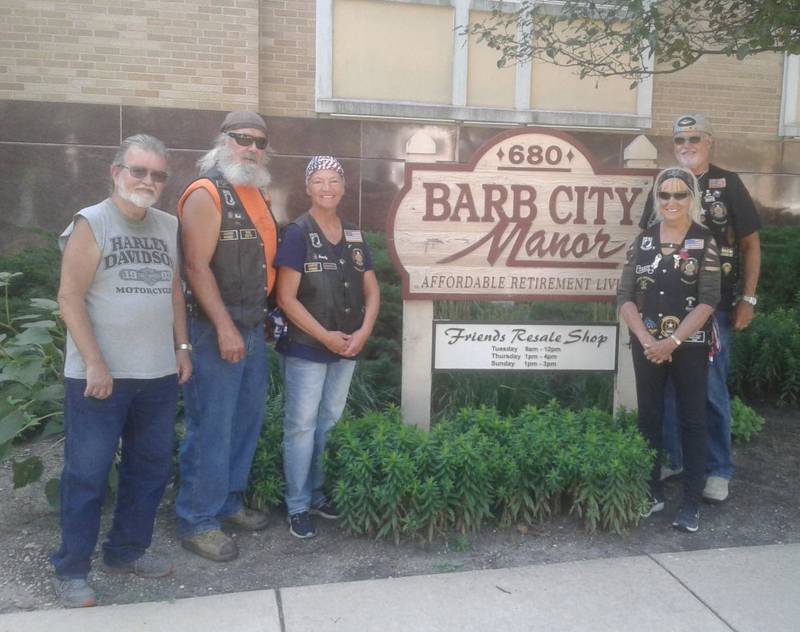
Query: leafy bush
(766, 358)
(779, 283)
(394, 480)
(746, 422)
(31, 376)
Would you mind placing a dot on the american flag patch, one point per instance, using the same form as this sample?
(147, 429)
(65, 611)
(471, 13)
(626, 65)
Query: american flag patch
(694, 244)
(716, 183)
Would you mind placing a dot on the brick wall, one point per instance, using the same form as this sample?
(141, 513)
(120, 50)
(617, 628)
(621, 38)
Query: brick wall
(287, 57)
(175, 53)
(741, 97)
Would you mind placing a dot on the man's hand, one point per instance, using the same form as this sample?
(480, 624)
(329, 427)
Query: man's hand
(742, 315)
(99, 382)
(660, 351)
(231, 344)
(184, 362)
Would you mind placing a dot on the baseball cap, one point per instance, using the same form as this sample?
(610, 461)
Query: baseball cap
(692, 123)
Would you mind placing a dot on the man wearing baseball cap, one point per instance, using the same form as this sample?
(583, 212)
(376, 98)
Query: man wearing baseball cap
(729, 213)
(229, 240)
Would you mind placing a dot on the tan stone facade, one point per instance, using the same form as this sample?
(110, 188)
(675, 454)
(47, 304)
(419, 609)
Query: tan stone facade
(192, 54)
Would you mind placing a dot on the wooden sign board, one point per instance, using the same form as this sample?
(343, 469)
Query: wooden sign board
(531, 217)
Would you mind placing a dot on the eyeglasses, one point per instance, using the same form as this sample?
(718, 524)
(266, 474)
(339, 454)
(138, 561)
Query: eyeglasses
(245, 140)
(664, 196)
(692, 140)
(140, 173)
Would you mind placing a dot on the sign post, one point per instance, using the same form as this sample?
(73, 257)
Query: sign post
(531, 217)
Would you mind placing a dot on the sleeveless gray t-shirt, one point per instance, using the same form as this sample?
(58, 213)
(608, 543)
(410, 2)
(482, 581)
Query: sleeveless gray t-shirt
(130, 299)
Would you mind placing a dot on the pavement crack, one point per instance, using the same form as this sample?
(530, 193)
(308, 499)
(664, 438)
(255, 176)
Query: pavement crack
(694, 594)
(501, 589)
(279, 602)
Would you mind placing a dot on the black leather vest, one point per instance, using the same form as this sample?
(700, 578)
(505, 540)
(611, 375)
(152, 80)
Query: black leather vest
(331, 288)
(666, 286)
(238, 263)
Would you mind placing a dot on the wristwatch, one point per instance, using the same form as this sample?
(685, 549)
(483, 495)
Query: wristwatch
(184, 346)
(750, 299)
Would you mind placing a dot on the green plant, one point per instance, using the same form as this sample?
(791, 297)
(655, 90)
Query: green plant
(31, 378)
(766, 358)
(267, 486)
(391, 480)
(745, 421)
(779, 283)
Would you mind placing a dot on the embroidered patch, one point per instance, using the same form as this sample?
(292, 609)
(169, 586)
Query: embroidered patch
(229, 199)
(315, 241)
(698, 336)
(329, 266)
(726, 252)
(353, 235)
(726, 268)
(312, 266)
(228, 235)
(248, 233)
(694, 244)
(718, 212)
(647, 243)
(717, 183)
(690, 301)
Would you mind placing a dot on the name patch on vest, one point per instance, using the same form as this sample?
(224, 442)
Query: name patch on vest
(717, 183)
(312, 266)
(248, 233)
(329, 266)
(228, 235)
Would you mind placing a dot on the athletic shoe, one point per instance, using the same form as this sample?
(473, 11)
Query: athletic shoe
(301, 526)
(688, 518)
(716, 489)
(655, 503)
(326, 509)
(74, 593)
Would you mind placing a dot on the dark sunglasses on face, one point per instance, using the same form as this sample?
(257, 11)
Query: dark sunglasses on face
(245, 140)
(680, 195)
(140, 173)
(692, 140)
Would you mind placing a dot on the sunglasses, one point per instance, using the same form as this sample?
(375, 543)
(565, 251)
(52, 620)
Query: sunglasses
(245, 140)
(680, 195)
(140, 173)
(692, 140)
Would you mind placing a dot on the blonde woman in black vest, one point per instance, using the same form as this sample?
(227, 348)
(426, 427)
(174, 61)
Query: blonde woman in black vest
(330, 295)
(670, 285)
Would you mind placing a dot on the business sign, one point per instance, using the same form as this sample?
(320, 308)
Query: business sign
(524, 346)
(531, 217)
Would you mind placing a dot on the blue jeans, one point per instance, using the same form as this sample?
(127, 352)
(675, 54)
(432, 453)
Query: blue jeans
(142, 414)
(224, 406)
(718, 410)
(316, 393)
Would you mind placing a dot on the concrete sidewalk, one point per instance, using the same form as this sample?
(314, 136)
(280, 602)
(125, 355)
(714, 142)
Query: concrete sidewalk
(753, 589)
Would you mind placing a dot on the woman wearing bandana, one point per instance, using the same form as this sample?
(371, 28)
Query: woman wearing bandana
(670, 285)
(329, 293)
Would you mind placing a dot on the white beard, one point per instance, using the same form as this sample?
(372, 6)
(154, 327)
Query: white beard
(235, 172)
(142, 199)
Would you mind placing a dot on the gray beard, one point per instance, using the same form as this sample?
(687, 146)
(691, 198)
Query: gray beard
(142, 200)
(236, 173)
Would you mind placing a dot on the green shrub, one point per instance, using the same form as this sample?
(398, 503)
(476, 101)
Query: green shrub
(766, 359)
(779, 283)
(267, 486)
(745, 421)
(391, 480)
(39, 270)
(31, 375)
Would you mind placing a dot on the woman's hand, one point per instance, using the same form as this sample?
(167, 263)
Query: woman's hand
(659, 351)
(336, 341)
(357, 341)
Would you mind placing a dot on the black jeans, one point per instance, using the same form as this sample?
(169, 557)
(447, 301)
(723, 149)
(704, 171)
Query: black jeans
(688, 370)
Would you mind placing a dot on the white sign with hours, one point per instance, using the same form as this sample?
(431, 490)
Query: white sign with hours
(524, 346)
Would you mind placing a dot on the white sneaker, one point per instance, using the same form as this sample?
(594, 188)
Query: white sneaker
(716, 490)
